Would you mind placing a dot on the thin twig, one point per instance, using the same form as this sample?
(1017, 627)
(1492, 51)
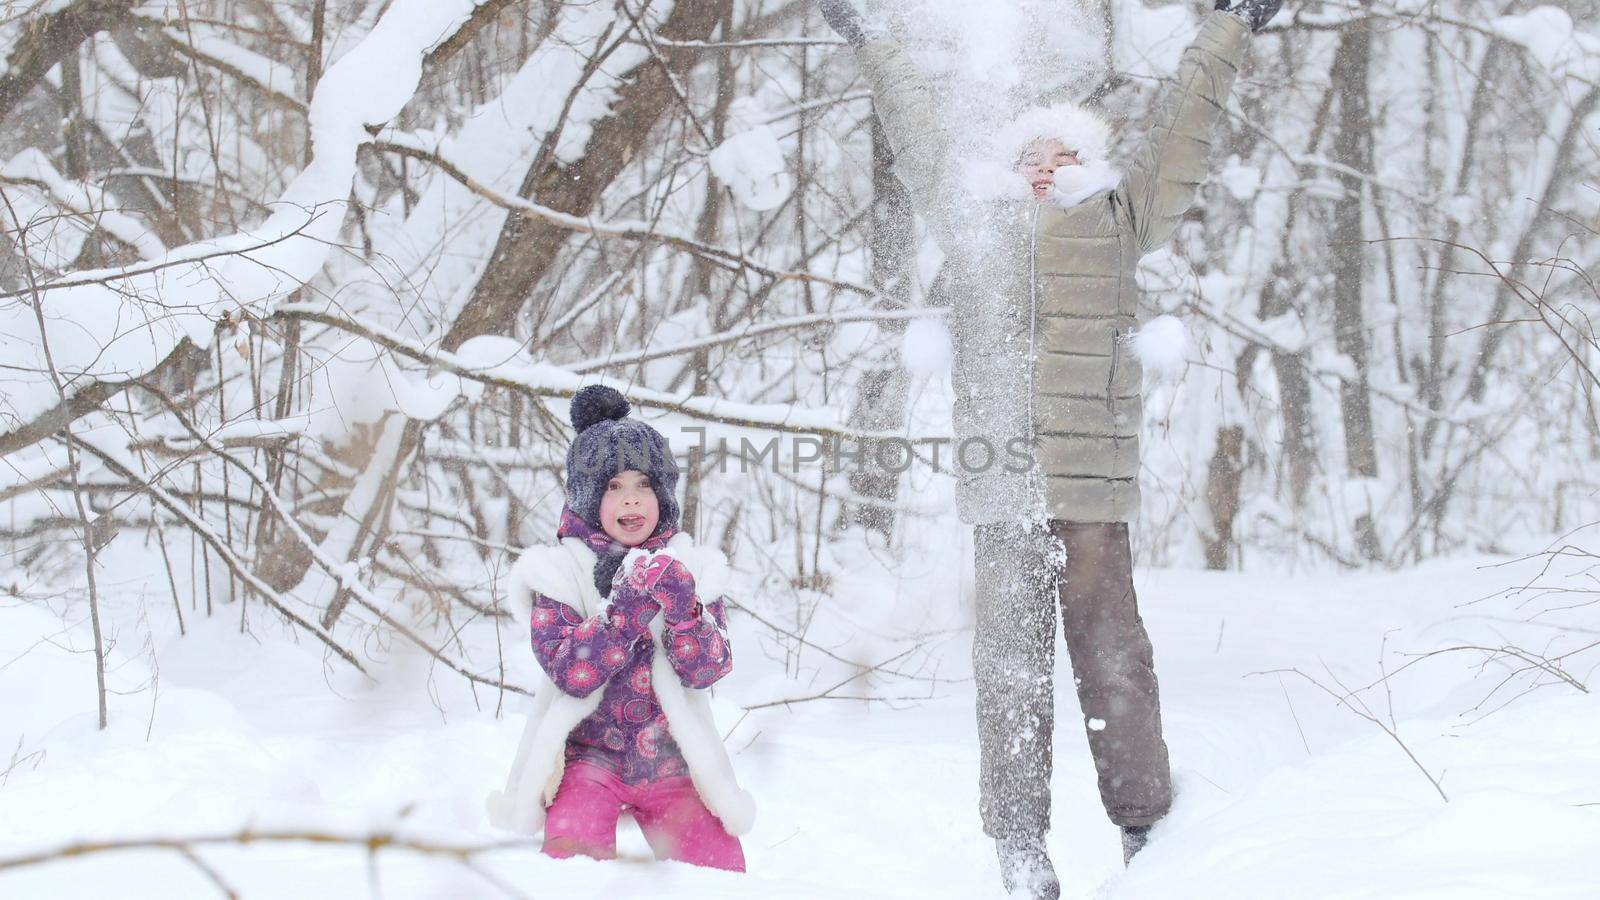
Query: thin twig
(1363, 712)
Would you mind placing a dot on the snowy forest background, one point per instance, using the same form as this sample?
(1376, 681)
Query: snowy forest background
(293, 294)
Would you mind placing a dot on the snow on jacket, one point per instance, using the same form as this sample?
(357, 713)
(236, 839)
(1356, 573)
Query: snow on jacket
(584, 655)
(1044, 292)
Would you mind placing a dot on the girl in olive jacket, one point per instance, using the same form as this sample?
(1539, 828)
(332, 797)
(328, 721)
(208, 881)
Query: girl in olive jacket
(1042, 239)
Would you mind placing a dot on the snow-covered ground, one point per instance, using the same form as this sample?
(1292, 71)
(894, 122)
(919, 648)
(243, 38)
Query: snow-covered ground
(1282, 792)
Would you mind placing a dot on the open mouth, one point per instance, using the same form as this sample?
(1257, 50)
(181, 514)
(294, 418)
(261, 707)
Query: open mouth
(631, 522)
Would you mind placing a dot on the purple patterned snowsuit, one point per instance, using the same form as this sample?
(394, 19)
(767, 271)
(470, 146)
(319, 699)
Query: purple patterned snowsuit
(627, 735)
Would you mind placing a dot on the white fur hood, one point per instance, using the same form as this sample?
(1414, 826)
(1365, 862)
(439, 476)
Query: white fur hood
(991, 174)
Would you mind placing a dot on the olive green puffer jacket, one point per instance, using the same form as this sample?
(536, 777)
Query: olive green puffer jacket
(1044, 296)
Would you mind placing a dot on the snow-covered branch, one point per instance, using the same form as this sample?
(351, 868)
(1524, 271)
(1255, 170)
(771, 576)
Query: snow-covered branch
(494, 362)
(731, 259)
(753, 330)
(368, 85)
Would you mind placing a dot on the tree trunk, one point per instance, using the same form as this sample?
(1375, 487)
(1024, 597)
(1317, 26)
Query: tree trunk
(881, 397)
(55, 38)
(1504, 296)
(1431, 372)
(527, 246)
(1352, 149)
(1222, 494)
(1294, 398)
(706, 232)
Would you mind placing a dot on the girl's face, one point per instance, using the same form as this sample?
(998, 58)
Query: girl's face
(628, 510)
(1039, 164)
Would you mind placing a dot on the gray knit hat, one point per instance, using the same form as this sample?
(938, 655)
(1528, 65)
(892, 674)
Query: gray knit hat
(609, 443)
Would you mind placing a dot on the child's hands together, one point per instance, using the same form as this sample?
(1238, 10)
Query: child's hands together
(632, 606)
(670, 584)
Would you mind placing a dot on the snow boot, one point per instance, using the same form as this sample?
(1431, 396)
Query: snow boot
(1133, 840)
(1025, 869)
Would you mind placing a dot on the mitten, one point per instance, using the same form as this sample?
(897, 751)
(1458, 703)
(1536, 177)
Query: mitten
(1255, 12)
(632, 604)
(672, 586)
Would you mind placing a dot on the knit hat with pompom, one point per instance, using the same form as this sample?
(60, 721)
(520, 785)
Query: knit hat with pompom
(609, 443)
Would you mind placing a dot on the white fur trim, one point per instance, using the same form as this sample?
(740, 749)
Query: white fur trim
(689, 719)
(541, 759)
(1080, 129)
(564, 572)
(994, 175)
(511, 808)
(987, 179)
(1161, 345)
(555, 570)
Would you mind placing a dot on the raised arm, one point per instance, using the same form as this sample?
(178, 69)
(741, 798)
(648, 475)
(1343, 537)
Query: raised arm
(1171, 165)
(903, 101)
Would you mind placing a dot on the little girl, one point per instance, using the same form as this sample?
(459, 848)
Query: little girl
(630, 629)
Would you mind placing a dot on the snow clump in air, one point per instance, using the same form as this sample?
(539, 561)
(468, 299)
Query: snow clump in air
(750, 161)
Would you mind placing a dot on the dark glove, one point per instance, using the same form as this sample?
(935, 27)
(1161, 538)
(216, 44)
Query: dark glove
(1255, 12)
(843, 18)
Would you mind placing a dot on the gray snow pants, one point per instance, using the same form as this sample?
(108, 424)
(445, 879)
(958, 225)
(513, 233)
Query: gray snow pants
(1022, 572)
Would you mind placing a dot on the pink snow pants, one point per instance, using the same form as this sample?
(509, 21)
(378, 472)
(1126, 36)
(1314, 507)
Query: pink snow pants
(677, 825)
